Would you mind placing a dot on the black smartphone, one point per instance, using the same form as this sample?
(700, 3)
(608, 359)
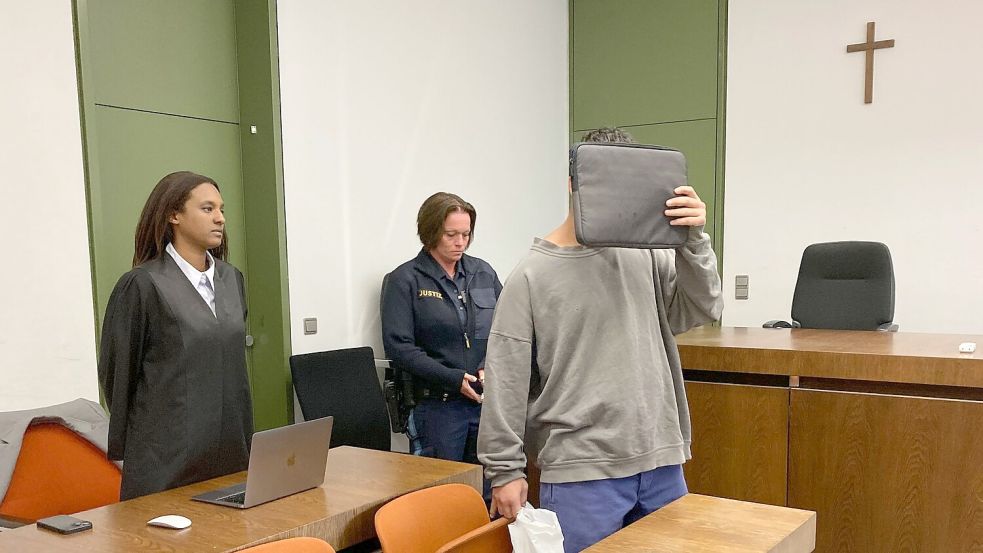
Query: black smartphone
(64, 524)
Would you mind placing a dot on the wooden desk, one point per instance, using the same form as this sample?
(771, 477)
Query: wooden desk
(875, 431)
(341, 511)
(698, 523)
(899, 357)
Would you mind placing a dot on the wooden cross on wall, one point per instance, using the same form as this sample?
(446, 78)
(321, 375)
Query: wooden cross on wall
(869, 47)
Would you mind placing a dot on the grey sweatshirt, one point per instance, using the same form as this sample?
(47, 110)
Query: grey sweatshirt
(582, 371)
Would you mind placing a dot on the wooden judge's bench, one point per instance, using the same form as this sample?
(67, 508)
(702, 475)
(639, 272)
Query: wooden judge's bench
(880, 433)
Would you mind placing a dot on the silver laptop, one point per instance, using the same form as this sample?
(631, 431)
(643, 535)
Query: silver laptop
(283, 461)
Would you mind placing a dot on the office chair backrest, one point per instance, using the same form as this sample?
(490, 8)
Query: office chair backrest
(58, 472)
(292, 545)
(424, 520)
(491, 538)
(344, 384)
(845, 286)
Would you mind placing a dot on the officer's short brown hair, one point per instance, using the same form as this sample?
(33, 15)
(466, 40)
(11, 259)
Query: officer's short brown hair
(433, 213)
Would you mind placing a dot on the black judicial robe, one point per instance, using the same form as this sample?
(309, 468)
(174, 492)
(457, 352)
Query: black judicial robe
(174, 378)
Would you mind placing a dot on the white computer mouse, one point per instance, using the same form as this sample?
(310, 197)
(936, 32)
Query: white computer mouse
(177, 522)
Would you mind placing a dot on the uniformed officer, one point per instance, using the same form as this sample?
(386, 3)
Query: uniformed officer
(436, 313)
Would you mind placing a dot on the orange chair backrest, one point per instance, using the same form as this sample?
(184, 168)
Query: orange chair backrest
(292, 545)
(59, 472)
(425, 520)
(491, 538)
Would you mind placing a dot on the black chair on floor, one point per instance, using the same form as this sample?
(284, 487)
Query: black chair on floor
(843, 286)
(344, 384)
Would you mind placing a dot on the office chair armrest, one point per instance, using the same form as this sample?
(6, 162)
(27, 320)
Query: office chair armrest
(888, 327)
(780, 324)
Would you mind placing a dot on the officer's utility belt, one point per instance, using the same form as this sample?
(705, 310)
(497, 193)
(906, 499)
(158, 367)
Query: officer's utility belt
(402, 391)
(426, 392)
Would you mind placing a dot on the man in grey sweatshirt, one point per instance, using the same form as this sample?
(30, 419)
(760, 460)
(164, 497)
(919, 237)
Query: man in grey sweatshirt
(582, 373)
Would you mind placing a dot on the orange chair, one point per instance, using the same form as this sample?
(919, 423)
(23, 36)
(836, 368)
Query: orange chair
(58, 472)
(491, 538)
(292, 545)
(426, 520)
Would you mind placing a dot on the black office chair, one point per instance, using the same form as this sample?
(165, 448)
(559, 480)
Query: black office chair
(344, 384)
(843, 286)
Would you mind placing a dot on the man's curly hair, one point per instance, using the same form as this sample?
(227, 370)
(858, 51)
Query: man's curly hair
(608, 134)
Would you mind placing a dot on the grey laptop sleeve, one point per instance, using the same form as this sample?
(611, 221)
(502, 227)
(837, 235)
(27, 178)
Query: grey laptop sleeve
(620, 193)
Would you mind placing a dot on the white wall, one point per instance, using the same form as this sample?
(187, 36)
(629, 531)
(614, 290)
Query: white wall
(387, 102)
(47, 334)
(808, 162)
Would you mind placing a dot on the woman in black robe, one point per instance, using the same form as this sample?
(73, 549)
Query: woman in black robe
(172, 362)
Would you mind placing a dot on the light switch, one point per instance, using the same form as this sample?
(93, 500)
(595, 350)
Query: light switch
(741, 287)
(310, 326)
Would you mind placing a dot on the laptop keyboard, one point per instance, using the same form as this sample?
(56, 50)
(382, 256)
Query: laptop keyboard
(237, 498)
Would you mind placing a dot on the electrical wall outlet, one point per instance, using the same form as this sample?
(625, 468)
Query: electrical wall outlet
(310, 326)
(741, 287)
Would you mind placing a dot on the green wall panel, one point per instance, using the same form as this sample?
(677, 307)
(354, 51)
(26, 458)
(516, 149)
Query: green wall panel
(135, 150)
(262, 177)
(173, 56)
(658, 69)
(638, 62)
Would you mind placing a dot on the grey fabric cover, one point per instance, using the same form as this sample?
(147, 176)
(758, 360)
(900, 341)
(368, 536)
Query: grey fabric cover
(86, 418)
(620, 193)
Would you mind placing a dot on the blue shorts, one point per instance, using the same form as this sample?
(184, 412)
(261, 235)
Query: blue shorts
(591, 511)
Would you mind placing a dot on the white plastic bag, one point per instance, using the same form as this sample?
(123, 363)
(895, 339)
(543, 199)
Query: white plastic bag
(536, 531)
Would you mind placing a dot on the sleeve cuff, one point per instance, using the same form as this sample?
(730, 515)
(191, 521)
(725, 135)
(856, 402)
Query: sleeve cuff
(504, 478)
(454, 379)
(696, 235)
